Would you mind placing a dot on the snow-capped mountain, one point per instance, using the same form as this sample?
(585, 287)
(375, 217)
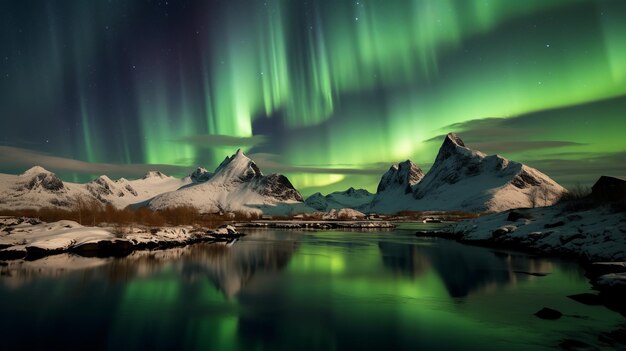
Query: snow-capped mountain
(396, 188)
(200, 175)
(460, 179)
(467, 180)
(236, 185)
(39, 188)
(121, 192)
(35, 188)
(351, 198)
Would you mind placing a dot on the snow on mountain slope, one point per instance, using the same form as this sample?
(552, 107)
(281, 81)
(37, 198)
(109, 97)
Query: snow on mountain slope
(351, 198)
(468, 180)
(39, 188)
(236, 185)
(121, 193)
(200, 175)
(396, 187)
(36, 188)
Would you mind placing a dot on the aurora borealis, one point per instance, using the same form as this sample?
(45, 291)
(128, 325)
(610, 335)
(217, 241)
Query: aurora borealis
(328, 92)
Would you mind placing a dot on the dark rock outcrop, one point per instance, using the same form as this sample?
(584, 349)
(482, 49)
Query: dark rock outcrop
(548, 313)
(403, 175)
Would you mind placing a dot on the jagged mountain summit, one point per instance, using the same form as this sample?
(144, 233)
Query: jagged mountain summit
(462, 179)
(236, 185)
(465, 179)
(396, 187)
(350, 198)
(35, 188)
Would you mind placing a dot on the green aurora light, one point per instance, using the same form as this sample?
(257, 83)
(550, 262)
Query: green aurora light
(338, 89)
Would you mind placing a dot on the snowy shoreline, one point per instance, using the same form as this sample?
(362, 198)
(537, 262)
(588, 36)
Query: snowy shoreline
(596, 237)
(304, 224)
(27, 238)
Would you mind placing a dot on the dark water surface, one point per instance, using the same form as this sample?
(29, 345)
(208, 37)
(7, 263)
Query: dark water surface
(297, 290)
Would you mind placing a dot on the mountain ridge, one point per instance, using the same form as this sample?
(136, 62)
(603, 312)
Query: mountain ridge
(460, 179)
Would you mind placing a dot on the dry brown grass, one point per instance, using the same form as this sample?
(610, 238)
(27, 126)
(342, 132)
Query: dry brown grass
(92, 214)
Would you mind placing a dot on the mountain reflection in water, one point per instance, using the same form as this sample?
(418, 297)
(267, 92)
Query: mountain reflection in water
(463, 269)
(285, 290)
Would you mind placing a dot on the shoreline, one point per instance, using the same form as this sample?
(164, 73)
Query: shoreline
(31, 239)
(317, 225)
(594, 238)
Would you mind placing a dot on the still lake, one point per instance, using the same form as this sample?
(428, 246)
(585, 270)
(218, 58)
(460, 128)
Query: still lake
(299, 290)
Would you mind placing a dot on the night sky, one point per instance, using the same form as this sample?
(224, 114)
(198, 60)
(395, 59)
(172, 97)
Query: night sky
(328, 92)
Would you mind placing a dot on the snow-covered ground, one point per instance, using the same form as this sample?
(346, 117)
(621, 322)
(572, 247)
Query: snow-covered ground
(597, 234)
(20, 238)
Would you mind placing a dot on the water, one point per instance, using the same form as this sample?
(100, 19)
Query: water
(297, 290)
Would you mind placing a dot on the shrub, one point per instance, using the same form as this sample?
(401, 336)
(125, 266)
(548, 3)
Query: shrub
(577, 192)
(92, 214)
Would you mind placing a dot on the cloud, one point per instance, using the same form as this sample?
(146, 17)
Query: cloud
(510, 135)
(18, 158)
(272, 162)
(208, 141)
(479, 129)
(501, 135)
(586, 169)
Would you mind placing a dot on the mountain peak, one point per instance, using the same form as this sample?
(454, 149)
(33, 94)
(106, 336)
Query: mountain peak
(453, 138)
(453, 145)
(154, 174)
(404, 174)
(239, 165)
(201, 174)
(39, 177)
(36, 170)
(468, 180)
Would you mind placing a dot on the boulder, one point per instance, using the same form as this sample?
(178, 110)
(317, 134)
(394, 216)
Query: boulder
(516, 215)
(548, 313)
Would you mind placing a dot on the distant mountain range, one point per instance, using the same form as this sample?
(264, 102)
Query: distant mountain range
(460, 179)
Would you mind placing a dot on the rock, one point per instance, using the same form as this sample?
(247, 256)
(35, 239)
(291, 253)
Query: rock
(12, 254)
(534, 274)
(228, 228)
(499, 232)
(437, 234)
(554, 225)
(548, 313)
(587, 299)
(515, 215)
(612, 281)
(564, 239)
(601, 268)
(503, 231)
(104, 248)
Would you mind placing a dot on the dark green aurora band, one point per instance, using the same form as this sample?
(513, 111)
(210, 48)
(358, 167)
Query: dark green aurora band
(328, 92)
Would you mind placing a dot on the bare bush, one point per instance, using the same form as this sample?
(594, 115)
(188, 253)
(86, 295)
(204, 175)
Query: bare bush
(577, 192)
(95, 213)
